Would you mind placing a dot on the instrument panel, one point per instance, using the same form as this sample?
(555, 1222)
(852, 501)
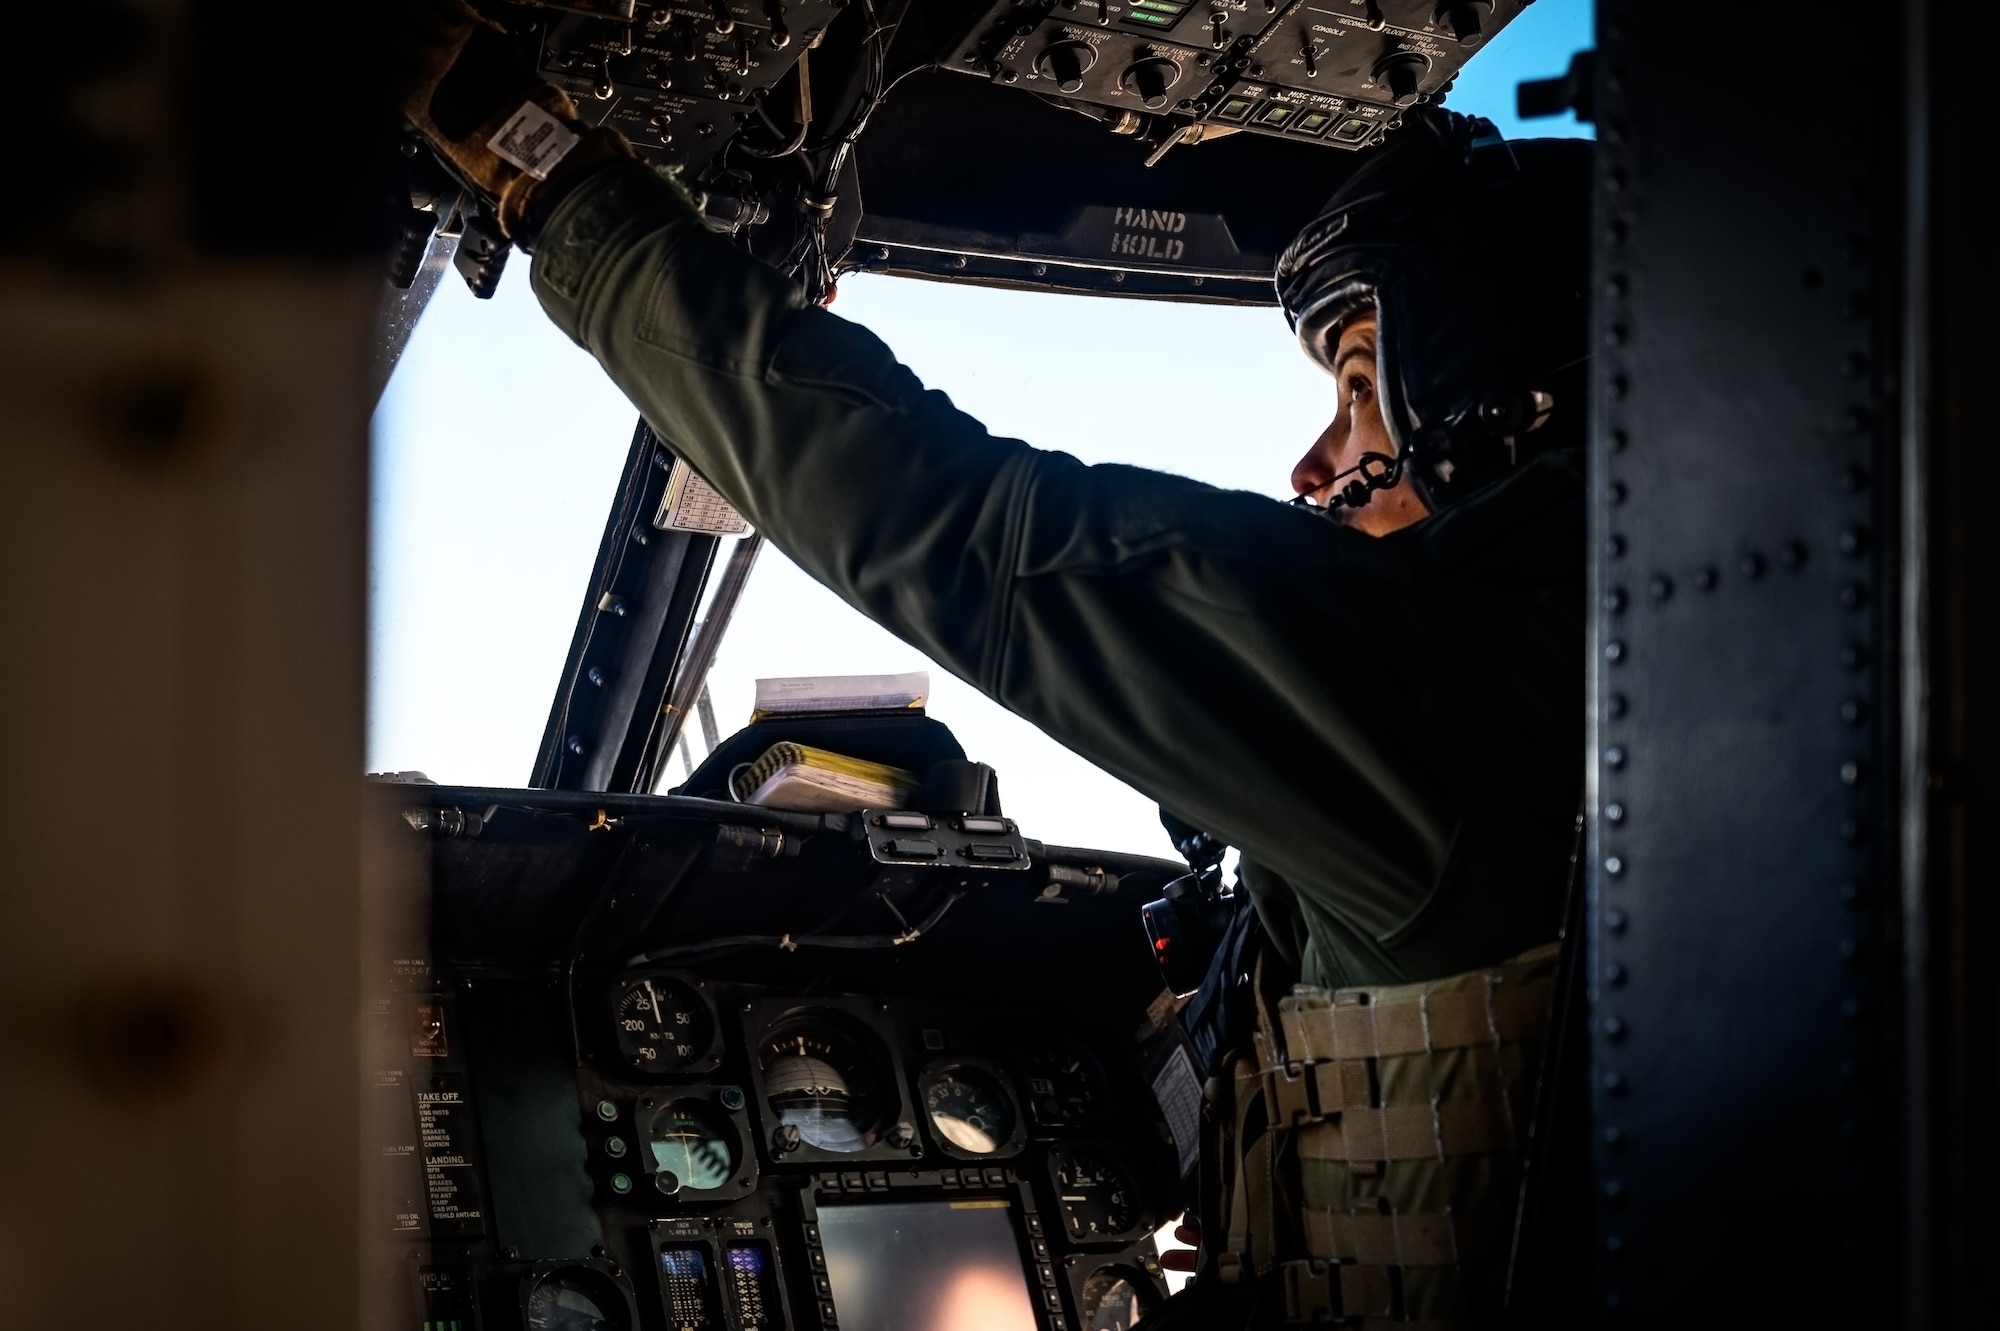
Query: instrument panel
(660, 1149)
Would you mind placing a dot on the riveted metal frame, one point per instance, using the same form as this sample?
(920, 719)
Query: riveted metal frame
(1744, 767)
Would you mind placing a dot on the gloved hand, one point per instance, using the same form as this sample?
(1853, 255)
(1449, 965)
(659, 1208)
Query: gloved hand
(481, 104)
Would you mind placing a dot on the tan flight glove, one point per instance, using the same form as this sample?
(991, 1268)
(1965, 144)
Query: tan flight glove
(481, 104)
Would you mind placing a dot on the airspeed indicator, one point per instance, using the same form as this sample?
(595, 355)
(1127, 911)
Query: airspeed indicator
(663, 1025)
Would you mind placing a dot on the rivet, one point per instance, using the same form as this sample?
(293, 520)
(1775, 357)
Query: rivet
(1616, 335)
(1850, 892)
(1614, 1082)
(1621, 440)
(1848, 1069)
(1614, 1136)
(1613, 1244)
(595, 675)
(1615, 920)
(575, 746)
(1850, 711)
(1614, 600)
(1855, 419)
(1848, 948)
(1853, 540)
(1857, 306)
(1614, 651)
(1753, 566)
(1792, 554)
(1614, 756)
(1853, 656)
(1704, 579)
(1615, 492)
(1850, 1008)
(1661, 587)
(1850, 830)
(1613, 1301)
(1617, 285)
(1614, 706)
(1850, 772)
(1613, 1188)
(1614, 546)
(1853, 595)
(1614, 865)
(1614, 973)
(1617, 179)
(1619, 386)
(1614, 812)
(1854, 365)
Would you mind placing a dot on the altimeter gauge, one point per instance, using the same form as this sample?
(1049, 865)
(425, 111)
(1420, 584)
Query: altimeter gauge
(1095, 1194)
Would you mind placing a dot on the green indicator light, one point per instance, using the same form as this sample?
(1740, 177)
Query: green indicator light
(1159, 5)
(607, 1110)
(1275, 115)
(1233, 109)
(621, 1183)
(1141, 16)
(1313, 120)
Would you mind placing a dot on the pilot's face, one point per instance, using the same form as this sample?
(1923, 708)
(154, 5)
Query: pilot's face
(1357, 429)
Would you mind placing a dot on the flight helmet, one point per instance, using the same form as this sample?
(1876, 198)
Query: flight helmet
(1473, 254)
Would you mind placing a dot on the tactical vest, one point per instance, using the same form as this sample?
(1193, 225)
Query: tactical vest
(1367, 1159)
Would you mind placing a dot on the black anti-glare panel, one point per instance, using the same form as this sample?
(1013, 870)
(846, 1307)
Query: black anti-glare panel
(1745, 1060)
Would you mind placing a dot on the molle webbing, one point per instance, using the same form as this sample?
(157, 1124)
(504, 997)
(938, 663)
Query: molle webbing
(1395, 1119)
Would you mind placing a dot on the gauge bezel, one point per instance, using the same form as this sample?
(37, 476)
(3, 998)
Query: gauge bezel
(1017, 1135)
(859, 1019)
(600, 1271)
(736, 1122)
(1134, 1179)
(710, 1057)
(1139, 1263)
(1094, 1065)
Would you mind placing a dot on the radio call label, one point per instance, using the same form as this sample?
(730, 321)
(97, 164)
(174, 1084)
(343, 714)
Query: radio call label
(451, 1177)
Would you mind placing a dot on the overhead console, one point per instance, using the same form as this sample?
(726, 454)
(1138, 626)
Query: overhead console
(1133, 147)
(679, 1064)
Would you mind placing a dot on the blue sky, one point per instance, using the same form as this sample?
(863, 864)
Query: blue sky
(497, 452)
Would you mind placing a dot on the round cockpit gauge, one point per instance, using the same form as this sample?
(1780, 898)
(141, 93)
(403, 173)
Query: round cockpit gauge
(1097, 1198)
(827, 1082)
(577, 1298)
(1113, 1299)
(969, 1106)
(663, 1024)
(692, 1147)
(1065, 1086)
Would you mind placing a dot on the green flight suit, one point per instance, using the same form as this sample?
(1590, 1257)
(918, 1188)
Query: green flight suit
(1390, 730)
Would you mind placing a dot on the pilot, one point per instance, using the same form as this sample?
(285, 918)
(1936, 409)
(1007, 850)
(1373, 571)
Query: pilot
(1377, 696)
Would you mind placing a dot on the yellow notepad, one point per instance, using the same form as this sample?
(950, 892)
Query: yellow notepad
(802, 779)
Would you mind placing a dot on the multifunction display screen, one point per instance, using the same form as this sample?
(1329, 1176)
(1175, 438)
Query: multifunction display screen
(926, 1266)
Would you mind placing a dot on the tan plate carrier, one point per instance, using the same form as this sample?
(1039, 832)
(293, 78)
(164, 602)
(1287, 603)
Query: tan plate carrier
(1371, 1152)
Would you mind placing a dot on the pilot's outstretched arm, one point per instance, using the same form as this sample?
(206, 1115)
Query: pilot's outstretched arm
(1267, 674)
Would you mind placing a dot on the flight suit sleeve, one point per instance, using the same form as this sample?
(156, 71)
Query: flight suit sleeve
(1255, 668)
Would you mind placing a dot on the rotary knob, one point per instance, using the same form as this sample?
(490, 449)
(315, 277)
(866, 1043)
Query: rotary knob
(1400, 72)
(1149, 80)
(1066, 63)
(1464, 19)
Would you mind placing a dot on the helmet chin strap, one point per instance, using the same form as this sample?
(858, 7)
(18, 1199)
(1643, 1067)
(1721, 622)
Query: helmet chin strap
(1372, 472)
